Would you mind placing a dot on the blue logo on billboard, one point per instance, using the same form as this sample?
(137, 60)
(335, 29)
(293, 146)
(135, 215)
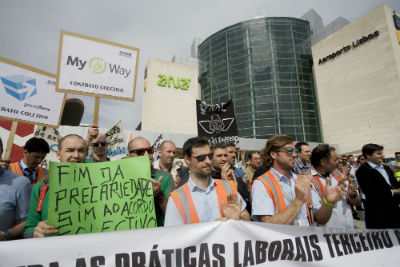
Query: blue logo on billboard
(19, 86)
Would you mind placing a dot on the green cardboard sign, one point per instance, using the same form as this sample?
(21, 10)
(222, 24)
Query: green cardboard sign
(101, 197)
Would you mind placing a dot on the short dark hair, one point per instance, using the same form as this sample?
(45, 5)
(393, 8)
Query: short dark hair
(194, 142)
(395, 153)
(67, 136)
(320, 152)
(369, 149)
(218, 145)
(349, 156)
(36, 144)
(298, 145)
(251, 153)
(230, 144)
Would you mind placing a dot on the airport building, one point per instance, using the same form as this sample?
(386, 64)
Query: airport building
(265, 66)
(357, 73)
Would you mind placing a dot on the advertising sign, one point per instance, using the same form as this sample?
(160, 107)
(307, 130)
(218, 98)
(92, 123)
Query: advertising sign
(95, 67)
(101, 197)
(217, 122)
(28, 94)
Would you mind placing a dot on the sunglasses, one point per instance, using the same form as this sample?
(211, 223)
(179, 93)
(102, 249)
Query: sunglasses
(142, 151)
(201, 158)
(289, 150)
(99, 143)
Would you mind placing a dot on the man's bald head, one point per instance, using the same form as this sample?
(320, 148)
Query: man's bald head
(72, 148)
(140, 146)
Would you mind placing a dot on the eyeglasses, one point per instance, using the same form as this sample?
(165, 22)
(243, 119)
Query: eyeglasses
(289, 150)
(201, 158)
(99, 143)
(142, 151)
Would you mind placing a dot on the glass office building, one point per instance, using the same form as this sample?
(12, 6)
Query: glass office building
(265, 66)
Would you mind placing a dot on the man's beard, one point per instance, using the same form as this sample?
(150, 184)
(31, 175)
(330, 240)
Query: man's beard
(204, 174)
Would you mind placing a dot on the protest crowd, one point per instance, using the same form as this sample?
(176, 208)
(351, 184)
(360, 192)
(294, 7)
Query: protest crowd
(282, 183)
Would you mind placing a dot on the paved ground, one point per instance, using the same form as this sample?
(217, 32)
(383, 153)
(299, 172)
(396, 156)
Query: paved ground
(360, 224)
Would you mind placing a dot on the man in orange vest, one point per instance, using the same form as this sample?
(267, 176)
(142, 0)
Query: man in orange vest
(282, 197)
(35, 150)
(203, 199)
(323, 160)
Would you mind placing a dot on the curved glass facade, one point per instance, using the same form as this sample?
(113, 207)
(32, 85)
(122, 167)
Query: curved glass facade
(265, 66)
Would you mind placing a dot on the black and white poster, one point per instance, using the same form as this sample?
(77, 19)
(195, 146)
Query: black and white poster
(217, 122)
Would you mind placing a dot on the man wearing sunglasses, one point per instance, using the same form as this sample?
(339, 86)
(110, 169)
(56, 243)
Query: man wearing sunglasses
(97, 143)
(161, 180)
(99, 147)
(202, 198)
(282, 197)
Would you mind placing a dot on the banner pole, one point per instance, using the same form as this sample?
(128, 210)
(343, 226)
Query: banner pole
(10, 140)
(96, 111)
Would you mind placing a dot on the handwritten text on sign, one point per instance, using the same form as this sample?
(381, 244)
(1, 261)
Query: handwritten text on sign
(101, 197)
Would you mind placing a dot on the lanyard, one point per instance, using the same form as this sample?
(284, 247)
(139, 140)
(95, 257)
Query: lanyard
(286, 194)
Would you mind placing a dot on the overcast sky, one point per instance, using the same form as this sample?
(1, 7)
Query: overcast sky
(30, 30)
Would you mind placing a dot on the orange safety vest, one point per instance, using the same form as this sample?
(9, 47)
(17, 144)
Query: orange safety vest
(319, 186)
(15, 168)
(274, 190)
(338, 175)
(185, 205)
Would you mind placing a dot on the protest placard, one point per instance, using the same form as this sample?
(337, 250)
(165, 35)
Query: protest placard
(51, 136)
(96, 67)
(101, 197)
(217, 122)
(28, 94)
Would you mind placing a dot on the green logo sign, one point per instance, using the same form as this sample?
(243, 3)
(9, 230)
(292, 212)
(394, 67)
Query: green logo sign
(165, 80)
(97, 65)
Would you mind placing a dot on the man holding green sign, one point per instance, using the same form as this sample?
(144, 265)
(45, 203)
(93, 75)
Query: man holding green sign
(96, 197)
(71, 148)
(163, 182)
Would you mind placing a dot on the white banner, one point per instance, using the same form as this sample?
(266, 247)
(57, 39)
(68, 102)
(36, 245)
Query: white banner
(51, 136)
(232, 244)
(28, 94)
(96, 67)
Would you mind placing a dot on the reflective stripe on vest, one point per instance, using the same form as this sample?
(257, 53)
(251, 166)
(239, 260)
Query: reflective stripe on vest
(318, 185)
(185, 205)
(274, 191)
(396, 172)
(338, 175)
(41, 172)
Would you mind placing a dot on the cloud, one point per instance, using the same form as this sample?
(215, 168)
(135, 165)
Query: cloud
(30, 30)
